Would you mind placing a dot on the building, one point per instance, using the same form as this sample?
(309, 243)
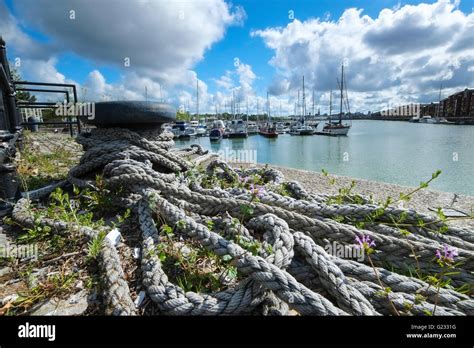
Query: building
(429, 110)
(458, 105)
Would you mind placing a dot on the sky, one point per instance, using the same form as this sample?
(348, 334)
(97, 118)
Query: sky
(394, 52)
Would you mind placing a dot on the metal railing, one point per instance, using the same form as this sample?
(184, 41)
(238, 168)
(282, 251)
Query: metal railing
(49, 105)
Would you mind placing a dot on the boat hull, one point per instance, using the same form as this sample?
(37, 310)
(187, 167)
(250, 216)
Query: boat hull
(302, 132)
(237, 135)
(268, 135)
(335, 130)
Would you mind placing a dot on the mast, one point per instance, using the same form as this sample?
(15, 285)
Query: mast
(342, 93)
(313, 103)
(233, 104)
(298, 104)
(439, 102)
(304, 104)
(330, 105)
(258, 107)
(247, 110)
(268, 107)
(197, 99)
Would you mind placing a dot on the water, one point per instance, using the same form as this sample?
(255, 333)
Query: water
(395, 152)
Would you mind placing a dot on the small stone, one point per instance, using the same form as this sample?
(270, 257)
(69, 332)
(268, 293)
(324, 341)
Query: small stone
(185, 251)
(140, 298)
(75, 305)
(4, 271)
(9, 298)
(80, 285)
(114, 236)
(136, 253)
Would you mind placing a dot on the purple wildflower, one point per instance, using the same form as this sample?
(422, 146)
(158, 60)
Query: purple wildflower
(447, 254)
(364, 242)
(244, 179)
(256, 190)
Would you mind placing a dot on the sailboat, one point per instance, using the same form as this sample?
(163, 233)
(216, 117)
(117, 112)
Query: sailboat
(237, 127)
(437, 119)
(337, 128)
(301, 128)
(268, 129)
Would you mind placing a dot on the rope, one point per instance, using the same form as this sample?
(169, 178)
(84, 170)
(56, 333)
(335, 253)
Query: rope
(290, 270)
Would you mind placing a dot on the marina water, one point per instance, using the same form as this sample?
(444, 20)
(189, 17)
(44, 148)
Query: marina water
(394, 152)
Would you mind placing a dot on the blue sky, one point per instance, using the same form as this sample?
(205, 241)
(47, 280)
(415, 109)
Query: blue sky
(269, 64)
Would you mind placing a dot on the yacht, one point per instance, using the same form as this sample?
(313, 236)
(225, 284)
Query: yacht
(301, 129)
(201, 130)
(217, 131)
(182, 130)
(282, 128)
(252, 128)
(426, 119)
(268, 130)
(337, 128)
(216, 134)
(237, 129)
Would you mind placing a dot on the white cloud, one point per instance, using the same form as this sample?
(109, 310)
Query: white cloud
(162, 39)
(403, 53)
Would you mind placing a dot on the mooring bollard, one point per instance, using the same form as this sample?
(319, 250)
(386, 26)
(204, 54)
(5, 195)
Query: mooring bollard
(132, 114)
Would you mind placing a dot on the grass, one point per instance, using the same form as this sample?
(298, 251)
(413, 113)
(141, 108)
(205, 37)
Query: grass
(69, 255)
(191, 266)
(42, 161)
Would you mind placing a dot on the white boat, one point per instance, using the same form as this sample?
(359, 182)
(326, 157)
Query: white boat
(237, 129)
(301, 129)
(218, 124)
(336, 129)
(182, 130)
(201, 130)
(435, 120)
(414, 119)
(426, 119)
(252, 128)
(281, 128)
(194, 124)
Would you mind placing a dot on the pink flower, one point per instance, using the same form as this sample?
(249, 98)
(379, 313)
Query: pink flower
(364, 242)
(257, 191)
(447, 254)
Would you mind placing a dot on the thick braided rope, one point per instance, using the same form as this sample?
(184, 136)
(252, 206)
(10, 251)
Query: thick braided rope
(257, 268)
(149, 174)
(394, 249)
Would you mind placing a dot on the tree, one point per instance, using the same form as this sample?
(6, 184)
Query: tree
(21, 95)
(182, 115)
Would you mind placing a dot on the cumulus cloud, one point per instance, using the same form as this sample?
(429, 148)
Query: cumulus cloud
(402, 55)
(157, 37)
